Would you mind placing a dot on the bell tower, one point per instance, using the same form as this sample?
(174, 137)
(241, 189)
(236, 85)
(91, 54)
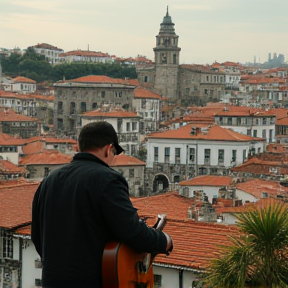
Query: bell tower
(167, 59)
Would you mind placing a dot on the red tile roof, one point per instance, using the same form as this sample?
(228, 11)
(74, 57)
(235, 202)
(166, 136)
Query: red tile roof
(8, 140)
(140, 92)
(112, 114)
(208, 180)
(100, 79)
(262, 164)
(171, 203)
(251, 206)
(256, 187)
(15, 204)
(215, 132)
(84, 53)
(7, 167)
(47, 46)
(125, 160)
(47, 157)
(9, 115)
(195, 243)
(21, 79)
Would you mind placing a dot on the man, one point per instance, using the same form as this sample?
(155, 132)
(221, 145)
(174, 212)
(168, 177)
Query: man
(80, 207)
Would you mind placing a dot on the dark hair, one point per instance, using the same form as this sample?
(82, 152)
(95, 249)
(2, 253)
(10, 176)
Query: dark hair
(97, 135)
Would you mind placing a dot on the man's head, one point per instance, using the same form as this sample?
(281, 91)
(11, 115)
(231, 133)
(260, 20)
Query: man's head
(97, 135)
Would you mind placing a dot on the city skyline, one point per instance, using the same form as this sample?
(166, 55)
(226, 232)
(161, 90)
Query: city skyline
(224, 30)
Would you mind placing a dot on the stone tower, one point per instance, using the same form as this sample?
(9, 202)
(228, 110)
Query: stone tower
(167, 59)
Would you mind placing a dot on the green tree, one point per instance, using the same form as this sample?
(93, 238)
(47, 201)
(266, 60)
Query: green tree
(259, 256)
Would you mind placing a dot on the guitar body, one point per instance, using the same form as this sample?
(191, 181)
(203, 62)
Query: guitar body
(122, 267)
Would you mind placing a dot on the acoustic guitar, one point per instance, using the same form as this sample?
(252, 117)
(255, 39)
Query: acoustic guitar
(123, 267)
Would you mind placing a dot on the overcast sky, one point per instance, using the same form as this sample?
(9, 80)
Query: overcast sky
(208, 30)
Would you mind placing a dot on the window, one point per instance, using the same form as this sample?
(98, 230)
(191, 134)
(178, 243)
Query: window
(192, 155)
(119, 125)
(60, 107)
(72, 108)
(134, 126)
(128, 126)
(143, 103)
(207, 156)
(264, 121)
(103, 94)
(156, 154)
(94, 105)
(131, 173)
(6, 245)
(249, 132)
(174, 59)
(187, 91)
(145, 78)
(83, 107)
(133, 149)
(157, 280)
(244, 155)
(229, 121)
(234, 153)
(167, 155)
(177, 155)
(221, 156)
(270, 135)
(264, 133)
(254, 133)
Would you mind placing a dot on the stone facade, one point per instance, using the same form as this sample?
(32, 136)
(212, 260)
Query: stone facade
(73, 98)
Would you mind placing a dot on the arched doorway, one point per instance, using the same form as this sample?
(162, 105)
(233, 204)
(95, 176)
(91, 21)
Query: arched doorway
(160, 183)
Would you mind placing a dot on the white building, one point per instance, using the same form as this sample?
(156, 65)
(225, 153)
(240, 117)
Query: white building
(85, 56)
(177, 155)
(50, 52)
(126, 125)
(147, 105)
(248, 121)
(20, 84)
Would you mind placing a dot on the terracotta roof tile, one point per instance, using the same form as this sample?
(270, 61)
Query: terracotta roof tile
(208, 180)
(256, 187)
(47, 157)
(15, 204)
(21, 79)
(112, 114)
(9, 115)
(7, 167)
(215, 132)
(100, 79)
(125, 160)
(8, 140)
(140, 92)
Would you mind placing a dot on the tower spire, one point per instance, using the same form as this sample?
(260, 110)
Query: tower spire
(167, 13)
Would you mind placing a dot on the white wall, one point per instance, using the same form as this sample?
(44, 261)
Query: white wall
(210, 191)
(170, 277)
(200, 146)
(244, 196)
(29, 272)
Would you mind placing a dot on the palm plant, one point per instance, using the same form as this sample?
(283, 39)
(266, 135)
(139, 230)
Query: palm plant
(259, 255)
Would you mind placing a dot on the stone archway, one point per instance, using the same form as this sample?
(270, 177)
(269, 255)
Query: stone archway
(160, 183)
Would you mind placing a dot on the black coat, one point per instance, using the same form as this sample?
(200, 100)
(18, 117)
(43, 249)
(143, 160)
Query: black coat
(76, 210)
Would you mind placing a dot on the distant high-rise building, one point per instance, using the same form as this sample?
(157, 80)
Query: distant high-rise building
(269, 57)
